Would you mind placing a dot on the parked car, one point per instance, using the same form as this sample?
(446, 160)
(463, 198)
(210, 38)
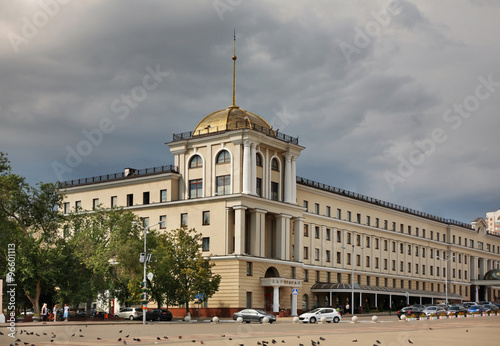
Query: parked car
(433, 309)
(476, 308)
(455, 309)
(129, 313)
(255, 315)
(490, 307)
(159, 315)
(315, 315)
(414, 309)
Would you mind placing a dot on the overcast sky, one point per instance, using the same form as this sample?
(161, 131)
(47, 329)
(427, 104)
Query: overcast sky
(395, 100)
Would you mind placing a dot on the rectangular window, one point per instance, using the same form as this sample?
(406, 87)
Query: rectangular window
(224, 185)
(368, 261)
(163, 195)
(393, 246)
(145, 197)
(386, 224)
(367, 242)
(368, 220)
(206, 218)
(358, 240)
(348, 238)
(306, 275)
(409, 230)
(274, 191)
(184, 220)
(401, 228)
(349, 216)
(367, 281)
(377, 243)
(206, 244)
(306, 205)
(328, 211)
(294, 272)
(195, 188)
(130, 200)
(423, 233)
(328, 234)
(358, 260)
(66, 208)
(339, 213)
(349, 259)
(431, 269)
(259, 187)
(306, 230)
(385, 282)
(95, 203)
(385, 245)
(163, 221)
(409, 267)
(339, 257)
(339, 236)
(306, 252)
(328, 255)
(318, 276)
(114, 201)
(409, 249)
(376, 262)
(328, 277)
(249, 300)
(423, 252)
(316, 254)
(78, 205)
(316, 208)
(432, 235)
(358, 218)
(316, 232)
(385, 263)
(416, 233)
(416, 251)
(401, 266)
(394, 227)
(423, 269)
(339, 278)
(249, 268)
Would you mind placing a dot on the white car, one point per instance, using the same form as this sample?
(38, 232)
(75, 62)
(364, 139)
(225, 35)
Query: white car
(315, 315)
(129, 313)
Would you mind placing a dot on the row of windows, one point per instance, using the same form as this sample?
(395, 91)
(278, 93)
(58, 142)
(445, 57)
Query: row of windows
(114, 201)
(418, 232)
(224, 157)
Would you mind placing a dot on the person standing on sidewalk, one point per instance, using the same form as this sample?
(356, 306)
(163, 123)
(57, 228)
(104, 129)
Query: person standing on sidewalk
(54, 312)
(44, 312)
(66, 311)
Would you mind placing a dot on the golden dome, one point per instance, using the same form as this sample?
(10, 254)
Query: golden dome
(232, 118)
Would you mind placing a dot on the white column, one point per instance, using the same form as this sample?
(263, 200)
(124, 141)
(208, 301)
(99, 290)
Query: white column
(283, 236)
(228, 233)
(288, 179)
(257, 234)
(294, 305)
(294, 179)
(246, 167)
(323, 245)
(253, 168)
(298, 254)
(239, 229)
(276, 298)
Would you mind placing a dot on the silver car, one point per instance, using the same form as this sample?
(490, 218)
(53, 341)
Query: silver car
(129, 313)
(433, 310)
(249, 315)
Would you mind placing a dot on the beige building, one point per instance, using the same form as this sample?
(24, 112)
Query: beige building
(284, 242)
(493, 221)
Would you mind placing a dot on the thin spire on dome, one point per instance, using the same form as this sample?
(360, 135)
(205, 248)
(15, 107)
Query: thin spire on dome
(234, 72)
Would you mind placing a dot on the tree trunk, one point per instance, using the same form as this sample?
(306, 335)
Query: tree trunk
(187, 307)
(35, 301)
(89, 309)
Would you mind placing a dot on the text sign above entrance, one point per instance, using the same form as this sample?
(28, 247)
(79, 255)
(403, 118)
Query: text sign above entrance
(283, 282)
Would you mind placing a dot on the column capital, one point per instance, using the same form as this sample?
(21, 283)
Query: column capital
(236, 207)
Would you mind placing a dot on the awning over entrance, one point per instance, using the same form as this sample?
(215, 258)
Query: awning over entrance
(335, 287)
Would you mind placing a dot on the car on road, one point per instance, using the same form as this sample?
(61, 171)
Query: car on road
(434, 310)
(490, 307)
(315, 315)
(413, 309)
(253, 315)
(129, 313)
(159, 315)
(476, 309)
(456, 309)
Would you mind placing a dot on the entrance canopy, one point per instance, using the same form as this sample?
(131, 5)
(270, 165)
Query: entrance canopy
(335, 287)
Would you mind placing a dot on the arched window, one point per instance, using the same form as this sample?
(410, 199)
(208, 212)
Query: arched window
(196, 161)
(258, 160)
(274, 164)
(223, 157)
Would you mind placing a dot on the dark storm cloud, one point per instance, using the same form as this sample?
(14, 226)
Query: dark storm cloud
(364, 107)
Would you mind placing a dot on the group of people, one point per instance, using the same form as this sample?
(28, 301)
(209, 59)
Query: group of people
(47, 316)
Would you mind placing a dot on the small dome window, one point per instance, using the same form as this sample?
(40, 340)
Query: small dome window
(196, 161)
(223, 157)
(258, 160)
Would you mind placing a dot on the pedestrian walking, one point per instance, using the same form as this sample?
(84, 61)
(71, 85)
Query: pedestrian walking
(54, 312)
(45, 312)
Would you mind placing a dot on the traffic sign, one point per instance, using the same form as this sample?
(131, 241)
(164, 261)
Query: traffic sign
(295, 291)
(199, 296)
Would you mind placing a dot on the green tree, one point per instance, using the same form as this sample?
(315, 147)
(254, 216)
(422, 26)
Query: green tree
(107, 246)
(29, 218)
(181, 270)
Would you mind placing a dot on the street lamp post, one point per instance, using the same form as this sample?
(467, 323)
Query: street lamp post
(446, 276)
(145, 230)
(352, 277)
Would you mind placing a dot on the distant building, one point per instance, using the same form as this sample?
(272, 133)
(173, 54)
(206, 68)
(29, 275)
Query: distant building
(493, 221)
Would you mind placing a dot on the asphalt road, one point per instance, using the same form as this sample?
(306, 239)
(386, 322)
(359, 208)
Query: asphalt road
(389, 331)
